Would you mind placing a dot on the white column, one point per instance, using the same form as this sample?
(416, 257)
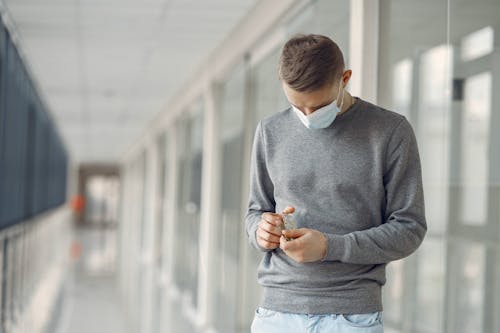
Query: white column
(147, 255)
(171, 292)
(170, 205)
(210, 203)
(363, 53)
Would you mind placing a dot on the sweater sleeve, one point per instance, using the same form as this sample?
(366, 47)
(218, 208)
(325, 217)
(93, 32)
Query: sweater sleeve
(261, 196)
(404, 224)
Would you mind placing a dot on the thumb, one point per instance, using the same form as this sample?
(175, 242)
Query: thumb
(294, 233)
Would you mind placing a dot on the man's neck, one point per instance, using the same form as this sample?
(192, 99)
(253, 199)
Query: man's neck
(349, 101)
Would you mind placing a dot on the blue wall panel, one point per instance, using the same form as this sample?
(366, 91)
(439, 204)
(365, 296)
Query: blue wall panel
(33, 159)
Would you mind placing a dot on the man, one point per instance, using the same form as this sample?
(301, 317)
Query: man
(350, 173)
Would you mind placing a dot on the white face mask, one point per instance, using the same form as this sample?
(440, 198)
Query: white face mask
(322, 117)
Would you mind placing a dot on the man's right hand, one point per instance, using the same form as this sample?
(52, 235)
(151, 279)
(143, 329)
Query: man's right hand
(269, 229)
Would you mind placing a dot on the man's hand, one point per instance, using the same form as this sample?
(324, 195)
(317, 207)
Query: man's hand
(309, 244)
(269, 230)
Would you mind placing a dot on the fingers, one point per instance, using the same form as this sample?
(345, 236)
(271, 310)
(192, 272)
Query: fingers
(294, 233)
(272, 218)
(267, 240)
(265, 234)
(283, 241)
(290, 245)
(289, 210)
(297, 241)
(270, 228)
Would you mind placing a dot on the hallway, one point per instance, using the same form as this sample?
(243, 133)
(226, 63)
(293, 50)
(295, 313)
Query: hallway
(142, 142)
(91, 304)
(91, 301)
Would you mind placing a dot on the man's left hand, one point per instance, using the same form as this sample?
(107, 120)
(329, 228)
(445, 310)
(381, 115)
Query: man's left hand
(308, 245)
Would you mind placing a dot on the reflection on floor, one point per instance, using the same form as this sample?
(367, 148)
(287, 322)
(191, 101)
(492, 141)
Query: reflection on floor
(90, 297)
(91, 304)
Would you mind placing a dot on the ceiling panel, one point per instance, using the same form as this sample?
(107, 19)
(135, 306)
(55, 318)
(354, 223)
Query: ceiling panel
(106, 68)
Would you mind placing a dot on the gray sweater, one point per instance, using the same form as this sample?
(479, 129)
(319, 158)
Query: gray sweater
(359, 182)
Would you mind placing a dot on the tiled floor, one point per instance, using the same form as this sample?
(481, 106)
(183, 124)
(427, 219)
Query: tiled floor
(91, 304)
(90, 300)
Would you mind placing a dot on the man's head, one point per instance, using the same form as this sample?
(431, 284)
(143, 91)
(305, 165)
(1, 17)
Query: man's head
(312, 70)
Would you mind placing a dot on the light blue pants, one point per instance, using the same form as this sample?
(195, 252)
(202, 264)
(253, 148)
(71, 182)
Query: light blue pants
(270, 321)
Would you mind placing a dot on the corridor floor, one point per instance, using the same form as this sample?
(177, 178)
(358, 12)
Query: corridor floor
(90, 300)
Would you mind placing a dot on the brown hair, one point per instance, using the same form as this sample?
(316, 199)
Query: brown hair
(310, 62)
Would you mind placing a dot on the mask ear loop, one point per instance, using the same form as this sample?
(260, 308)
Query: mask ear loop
(341, 103)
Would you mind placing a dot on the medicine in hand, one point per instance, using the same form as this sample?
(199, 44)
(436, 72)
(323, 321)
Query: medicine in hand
(289, 222)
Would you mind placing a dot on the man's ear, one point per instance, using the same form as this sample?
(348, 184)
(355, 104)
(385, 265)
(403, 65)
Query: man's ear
(346, 77)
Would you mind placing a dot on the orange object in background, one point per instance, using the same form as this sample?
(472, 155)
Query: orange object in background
(78, 203)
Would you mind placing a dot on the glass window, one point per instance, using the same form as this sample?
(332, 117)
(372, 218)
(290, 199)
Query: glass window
(142, 184)
(402, 86)
(325, 17)
(477, 44)
(474, 37)
(415, 75)
(163, 155)
(393, 296)
(229, 223)
(433, 116)
(438, 66)
(180, 256)
(430, 286)
(474, 148)
(269, 97)
(190, 143)
(468, 262)
(101, 194)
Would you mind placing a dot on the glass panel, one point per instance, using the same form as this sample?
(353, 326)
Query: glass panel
(402, 86)
(414, 80)
(415, 75)
(474, 154)
(393, 292)
(101, 194)
(180, 225)
(477, 44)
(163, 154)
(269, 96)
(433, 132)
(474, 301)
(468, 262)
(162, 149)
(430, 286)
(142, 183)
(190, 143)
(391, 330)
(230, 226)
(325, 17)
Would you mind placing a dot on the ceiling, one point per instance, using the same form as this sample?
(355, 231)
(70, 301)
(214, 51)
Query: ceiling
(107, 67)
